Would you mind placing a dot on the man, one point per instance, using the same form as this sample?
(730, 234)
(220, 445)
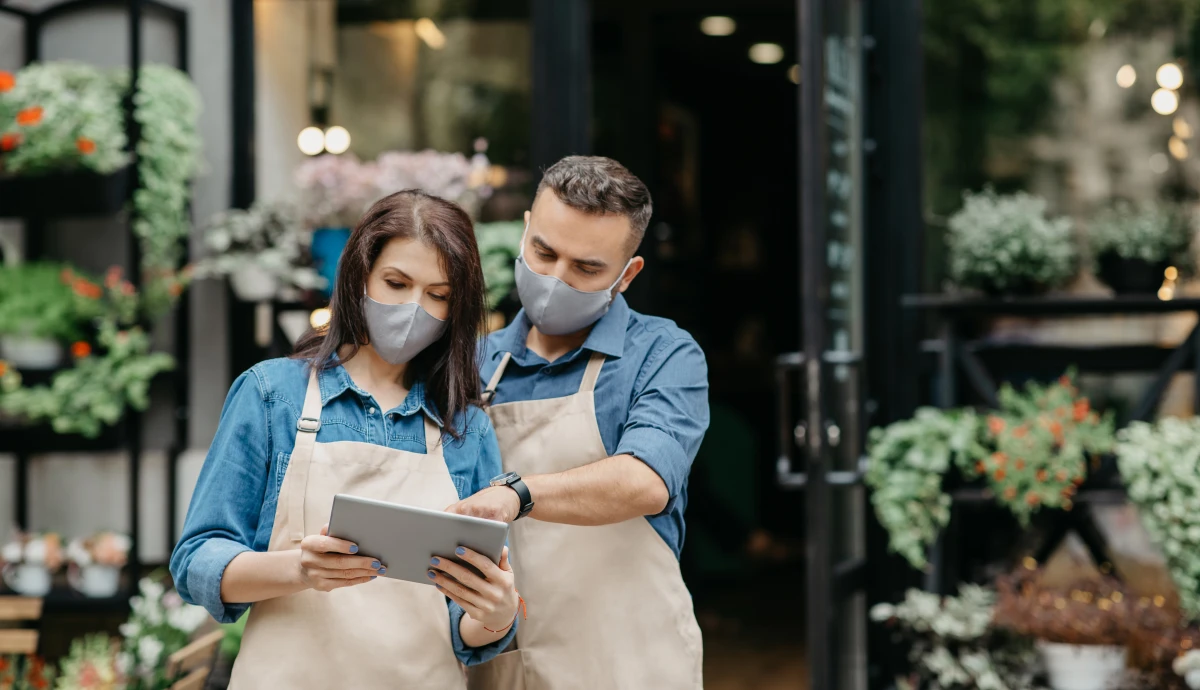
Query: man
(599, 411)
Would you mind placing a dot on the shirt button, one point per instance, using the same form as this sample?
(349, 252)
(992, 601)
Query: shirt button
(370, 410)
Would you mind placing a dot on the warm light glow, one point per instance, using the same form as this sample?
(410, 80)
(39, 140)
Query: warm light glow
(1164, 101)
(1165, 293)
(718, 26)
(1159, 163)
(430, 33)
(1126, 76)
(794, 74)
(337, 139)
(1178, 148)
(1169, 76)
(311, 141)
(1097, 28)
(1171, 273)
(1182, 129)
(497, 176)
(1030, 563)
(766, 53)
(319, 318)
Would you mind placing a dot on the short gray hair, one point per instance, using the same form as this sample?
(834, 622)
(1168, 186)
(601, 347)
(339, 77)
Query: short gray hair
(600, 186)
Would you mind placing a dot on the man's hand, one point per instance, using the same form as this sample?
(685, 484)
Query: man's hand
(499, 503)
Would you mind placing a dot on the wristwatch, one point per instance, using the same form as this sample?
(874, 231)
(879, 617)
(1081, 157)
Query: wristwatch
(513, 481)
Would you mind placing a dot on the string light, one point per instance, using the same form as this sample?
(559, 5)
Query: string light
(1164, 101)
(319, 318)
(766, 53)
(1182, 129)
(718, 26)
(1126, 76)
(311, 141)
(1171, 273)
(1169, 76)
(337, 139)
(1178, 148)
(794, 74)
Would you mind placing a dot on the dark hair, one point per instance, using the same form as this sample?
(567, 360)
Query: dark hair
(599, 185)
(450, 366)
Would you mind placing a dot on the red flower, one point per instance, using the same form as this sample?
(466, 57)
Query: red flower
(87, 289)
(1032, 499)
(7, 81)
(999, 475)
(113, 277)
(9, 141)
(85, 145)
(80, 349)
(1000, 459)
(980, 467)
(1041, 475)
(1056, 429)
(1010, 493)
(995, 425)
(3, 371)
(67, 276)
(176, 289)
(127, 288)
(29, 116)
(1081, 409)
(3, 661)
(1020, 464)
(1061, 475)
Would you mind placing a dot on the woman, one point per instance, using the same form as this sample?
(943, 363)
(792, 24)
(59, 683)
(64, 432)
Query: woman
(378, 404)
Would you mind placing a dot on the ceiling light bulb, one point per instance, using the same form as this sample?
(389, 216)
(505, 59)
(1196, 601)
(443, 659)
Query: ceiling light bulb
(766, 53)
(1169, 76)
(1164, 101)
(319, 318)
(718, 26)
(311, 141)
(337, 139)
(1126, 76)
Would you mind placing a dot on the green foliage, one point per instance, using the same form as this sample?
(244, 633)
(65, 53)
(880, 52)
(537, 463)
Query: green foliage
(53, 107)
(1161, 467)
(499, 245)
(95, 392)
(906, 463)
(21, 672)
(1149, 231)
(36, 301)
(1005, 243)
(232, 644)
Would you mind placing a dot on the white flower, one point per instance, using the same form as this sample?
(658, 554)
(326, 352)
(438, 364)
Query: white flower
(882, 612)
(130, 629)
(124, 663)
(149, 649)
(1192, 679)
(78, 554)
(150, 589)
(35, 551)
(187, 618)
(13, 552)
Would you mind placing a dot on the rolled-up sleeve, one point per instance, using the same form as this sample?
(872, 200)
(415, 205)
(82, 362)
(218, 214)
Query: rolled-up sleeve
(223, 516)
(487, 466)
(669, 413)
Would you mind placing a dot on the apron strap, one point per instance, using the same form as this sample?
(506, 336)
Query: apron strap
(306, 440)
(592, 373)
(490, 392)
(433, 437)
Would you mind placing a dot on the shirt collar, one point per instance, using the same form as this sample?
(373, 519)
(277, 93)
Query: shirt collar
(607, 336)
(335, 381)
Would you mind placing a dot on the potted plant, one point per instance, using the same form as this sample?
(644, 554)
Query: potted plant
(1082, 627)
(160, 625)
(1005, 244)
(1134, 245)
(91, 664)
(260, 249)
(499, 244)
(24, 672)
(29, 562)
(953, 644)
(96, 563)
(1161, 470)
(41, 306)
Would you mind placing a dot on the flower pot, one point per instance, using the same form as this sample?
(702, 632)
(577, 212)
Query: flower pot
(254, 285)
(27, 579)
(1131, 276)
(30, 352)
(95, 581)
(77, 193)
(1083, 667)
(327, 246)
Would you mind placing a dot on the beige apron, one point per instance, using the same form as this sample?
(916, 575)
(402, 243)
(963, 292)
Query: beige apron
(608, 609)
(383, 634)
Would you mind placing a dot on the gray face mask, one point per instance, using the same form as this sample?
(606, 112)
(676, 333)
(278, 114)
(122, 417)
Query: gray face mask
(399, 332)
(555, 307)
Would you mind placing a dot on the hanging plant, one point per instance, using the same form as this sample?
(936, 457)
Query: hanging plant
(47, 300)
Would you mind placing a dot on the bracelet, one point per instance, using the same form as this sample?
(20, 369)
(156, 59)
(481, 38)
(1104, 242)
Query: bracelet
(521, 611)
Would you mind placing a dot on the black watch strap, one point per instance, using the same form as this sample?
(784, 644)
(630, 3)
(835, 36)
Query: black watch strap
(517, 484)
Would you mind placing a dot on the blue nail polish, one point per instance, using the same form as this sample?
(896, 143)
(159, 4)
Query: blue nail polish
(460, 551)
(383, 571)
(374, 565)
(374, 577)
(438, 586)
(434, 561)
(354, 548)
(431, 574)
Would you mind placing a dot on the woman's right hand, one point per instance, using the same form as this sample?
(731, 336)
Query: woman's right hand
(327, 563)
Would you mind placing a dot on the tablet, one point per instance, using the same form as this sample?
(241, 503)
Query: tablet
(405, 538)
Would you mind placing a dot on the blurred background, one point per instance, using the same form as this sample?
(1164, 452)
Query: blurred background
(871, 214)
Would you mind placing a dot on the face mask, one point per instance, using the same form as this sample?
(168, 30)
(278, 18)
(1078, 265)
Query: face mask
(555, 307)
(400, 332)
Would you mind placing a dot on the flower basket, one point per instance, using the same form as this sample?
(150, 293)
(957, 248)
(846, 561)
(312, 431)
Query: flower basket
(64, 194)
(1131, 276)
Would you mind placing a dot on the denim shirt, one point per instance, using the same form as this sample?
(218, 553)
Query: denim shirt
(651, 398)
(233, 506)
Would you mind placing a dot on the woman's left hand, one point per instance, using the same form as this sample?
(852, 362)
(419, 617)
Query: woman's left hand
(491, 600)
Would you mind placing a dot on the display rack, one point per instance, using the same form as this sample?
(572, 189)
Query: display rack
(97, 196)
(967, 370)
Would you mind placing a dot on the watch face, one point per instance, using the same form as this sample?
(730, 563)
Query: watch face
(504, 479)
